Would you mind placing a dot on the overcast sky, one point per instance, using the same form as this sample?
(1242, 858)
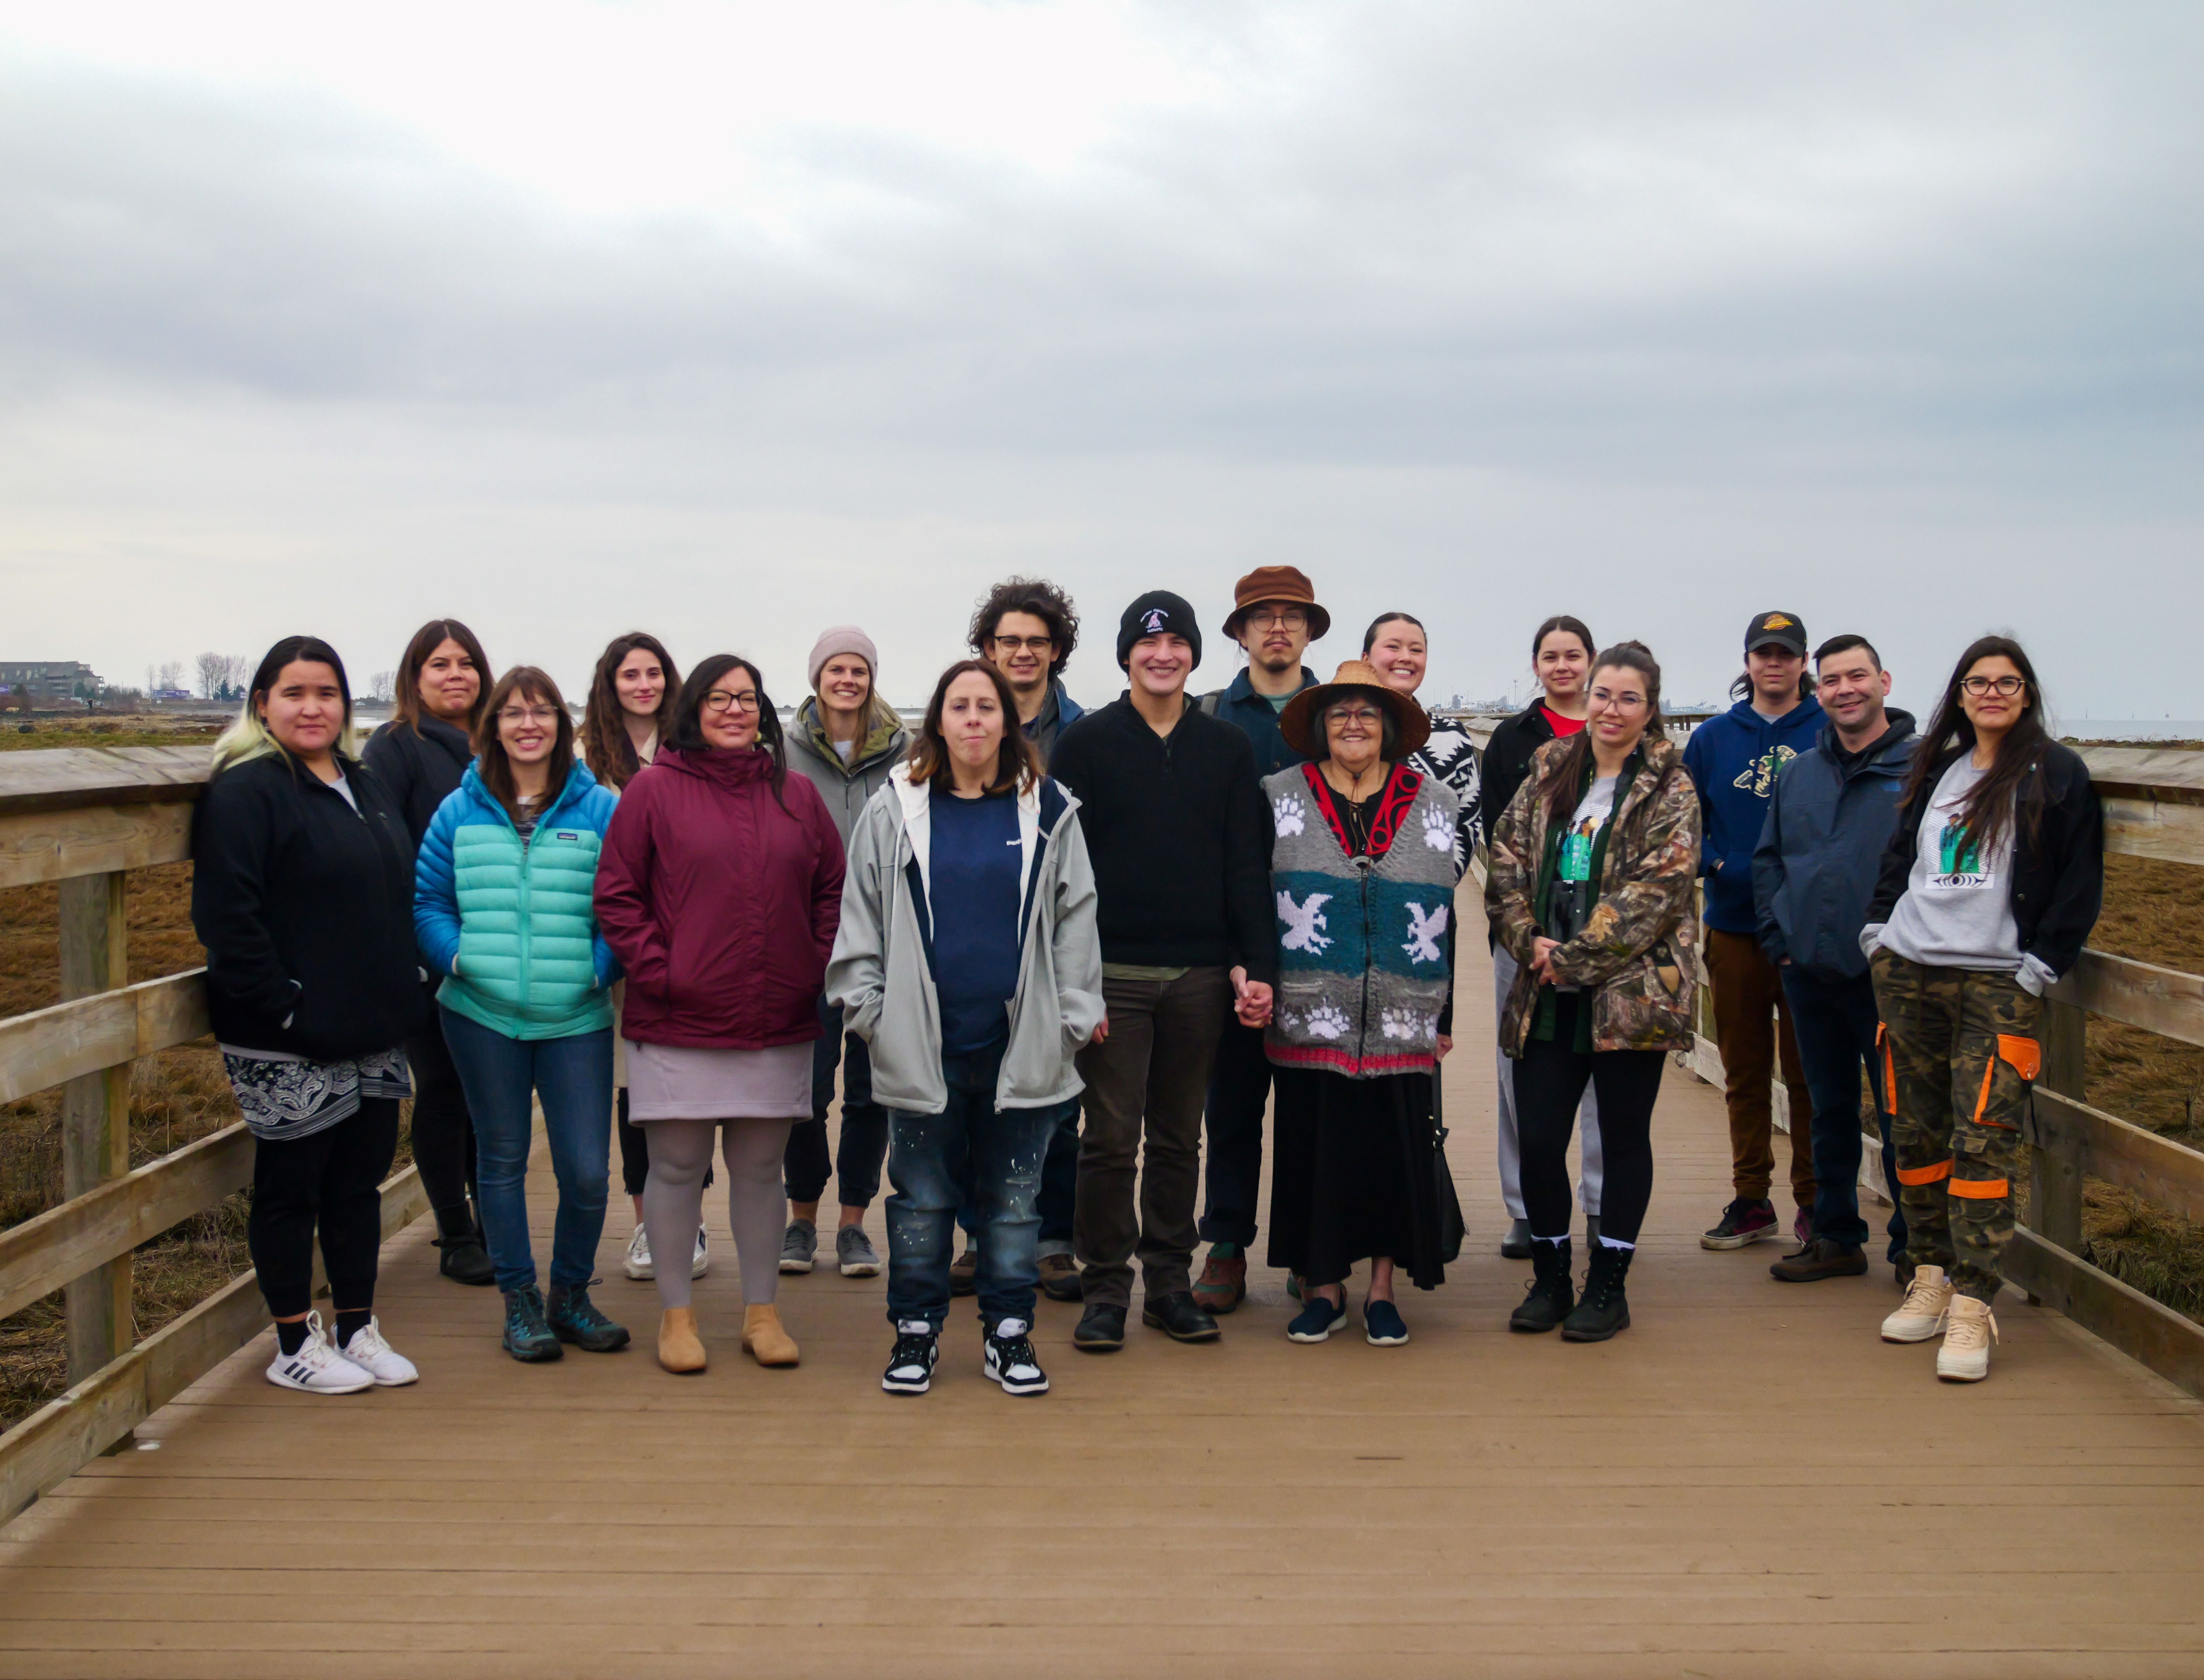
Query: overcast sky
(731, 321)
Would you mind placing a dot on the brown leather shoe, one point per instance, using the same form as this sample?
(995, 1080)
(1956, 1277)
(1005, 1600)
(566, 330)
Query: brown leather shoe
(964, 1271)
(680, 1349)
(763, 1339)
(1222, 1284)
(1059, 1278)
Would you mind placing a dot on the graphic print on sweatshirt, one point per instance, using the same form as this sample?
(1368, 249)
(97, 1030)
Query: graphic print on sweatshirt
(1959, 858)
(1758, 777)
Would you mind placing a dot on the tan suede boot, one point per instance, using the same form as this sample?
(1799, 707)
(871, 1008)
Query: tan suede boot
(680, 1349)
(763, 1339)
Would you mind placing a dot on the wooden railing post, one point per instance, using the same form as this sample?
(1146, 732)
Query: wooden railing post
(2055, 1182)
(95, 1114)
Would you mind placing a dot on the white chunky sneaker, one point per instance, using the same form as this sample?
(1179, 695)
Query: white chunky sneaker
(701, 1261)
(388, 1367)
(637, 1264)
(1920, 1316)
(317, 1368)
(917, 1351)
(1965, 1355)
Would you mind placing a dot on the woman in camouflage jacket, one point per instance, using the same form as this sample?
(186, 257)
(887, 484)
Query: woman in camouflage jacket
(1591, 888)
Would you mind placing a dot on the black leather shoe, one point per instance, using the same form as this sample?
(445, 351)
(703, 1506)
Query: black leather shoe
(466, 1260)
(1177, 1317)
(1101, 1328)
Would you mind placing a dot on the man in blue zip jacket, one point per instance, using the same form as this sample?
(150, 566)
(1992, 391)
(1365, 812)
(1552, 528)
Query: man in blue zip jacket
(1734, 760)
(1813, 875)
(1274, 617)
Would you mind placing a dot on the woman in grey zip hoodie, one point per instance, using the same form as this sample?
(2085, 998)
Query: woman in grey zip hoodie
(968, 961)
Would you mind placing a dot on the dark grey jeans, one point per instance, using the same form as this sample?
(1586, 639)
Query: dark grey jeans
(1146, 1086)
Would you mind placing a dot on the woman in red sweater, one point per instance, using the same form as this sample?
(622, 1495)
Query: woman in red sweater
(721, 888)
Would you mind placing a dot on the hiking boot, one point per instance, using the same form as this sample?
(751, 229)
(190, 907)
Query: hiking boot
(1604, 1309)
(799, 1247)
(964, 1269)
(1010, 1361)
(574, 1317)
(1921, 1316)
(464, 1260)
(1551, 1295)
(1969, 1331)
(1101, 1328)
(1824, 1256)
(917, 1351)
(1516, 1245)
(528, 1335)
(855, 1254)
(1059, 1277)
(1743, 1221)
(1176, 1315)
(1222, 1284)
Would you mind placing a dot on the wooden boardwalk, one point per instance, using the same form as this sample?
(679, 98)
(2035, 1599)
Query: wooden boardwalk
(1745, 1482)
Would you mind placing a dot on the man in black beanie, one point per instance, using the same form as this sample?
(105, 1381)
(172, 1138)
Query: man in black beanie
(1180, 840)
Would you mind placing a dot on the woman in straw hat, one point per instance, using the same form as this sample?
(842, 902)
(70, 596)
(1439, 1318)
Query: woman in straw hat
(1363, 869)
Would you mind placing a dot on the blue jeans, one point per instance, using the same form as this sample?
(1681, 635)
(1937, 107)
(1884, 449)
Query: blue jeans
(933, 1160)
(1059, 1188)
(1834, 1022)
(574, 1077)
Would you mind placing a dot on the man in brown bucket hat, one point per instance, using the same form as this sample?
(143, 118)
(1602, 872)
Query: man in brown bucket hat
(1275, 616)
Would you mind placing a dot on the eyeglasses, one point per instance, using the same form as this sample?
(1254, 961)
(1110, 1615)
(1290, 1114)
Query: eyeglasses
(2004, 687)
(1625, 701)
(1010, 644)
(721, 701)
(1289, 618)
(1368, 716)
(528, 714)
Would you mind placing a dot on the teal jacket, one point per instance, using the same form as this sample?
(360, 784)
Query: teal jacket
(511, 922)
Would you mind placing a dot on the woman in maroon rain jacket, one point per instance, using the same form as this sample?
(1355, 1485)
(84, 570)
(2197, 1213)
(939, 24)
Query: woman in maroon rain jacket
(720, 887)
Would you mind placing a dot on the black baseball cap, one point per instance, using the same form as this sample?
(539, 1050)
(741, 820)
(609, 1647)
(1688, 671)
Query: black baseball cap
(1780, 630)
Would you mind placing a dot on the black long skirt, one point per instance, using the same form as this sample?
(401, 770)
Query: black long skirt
(1355, 1173)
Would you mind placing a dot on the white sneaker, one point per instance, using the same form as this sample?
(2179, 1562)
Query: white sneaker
(317, 1368)
(1009, 1359)
(1965, 1355)
(389, 1368)
(637, 1264)
(1921, 1316)
(700, 1261)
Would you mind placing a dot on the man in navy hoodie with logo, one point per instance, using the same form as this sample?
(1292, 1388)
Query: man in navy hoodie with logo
(1813, 877)
(1734, 760)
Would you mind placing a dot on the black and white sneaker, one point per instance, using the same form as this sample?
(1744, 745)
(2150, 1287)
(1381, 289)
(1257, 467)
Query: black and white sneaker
(911, 1367)
(1011, 1360)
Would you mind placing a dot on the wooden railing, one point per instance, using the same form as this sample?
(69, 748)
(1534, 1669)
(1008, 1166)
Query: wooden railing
(2153, 801)
(82, 819)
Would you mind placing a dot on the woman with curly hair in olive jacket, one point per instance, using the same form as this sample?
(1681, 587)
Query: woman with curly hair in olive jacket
(1591, 889)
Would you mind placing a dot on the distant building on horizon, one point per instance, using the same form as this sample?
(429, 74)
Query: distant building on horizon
(50, 681)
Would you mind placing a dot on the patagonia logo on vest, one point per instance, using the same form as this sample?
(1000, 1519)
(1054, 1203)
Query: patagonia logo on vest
(567, 834)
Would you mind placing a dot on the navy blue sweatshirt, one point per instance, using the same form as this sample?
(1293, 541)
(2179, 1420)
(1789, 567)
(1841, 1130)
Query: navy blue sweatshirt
(1734, 760)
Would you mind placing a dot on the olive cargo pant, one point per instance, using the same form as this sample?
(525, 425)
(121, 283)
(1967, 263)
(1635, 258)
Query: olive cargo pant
(1959, 1056)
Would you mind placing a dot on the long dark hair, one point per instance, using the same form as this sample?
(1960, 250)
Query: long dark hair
(249, 737)
(606, 747)
(689, 709)
(1017, 765)
(1990, 802)
(492, 762)
(1370, 635)
(1563, 783)
(406, 701)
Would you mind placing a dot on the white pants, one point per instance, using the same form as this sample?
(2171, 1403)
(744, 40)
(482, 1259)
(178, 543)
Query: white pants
(1511, 1148)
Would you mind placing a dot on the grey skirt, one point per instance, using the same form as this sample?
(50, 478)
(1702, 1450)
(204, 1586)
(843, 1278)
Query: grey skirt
(677, 1082)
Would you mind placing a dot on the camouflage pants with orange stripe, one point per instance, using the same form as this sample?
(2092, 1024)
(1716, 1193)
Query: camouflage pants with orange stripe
(1959, 1054)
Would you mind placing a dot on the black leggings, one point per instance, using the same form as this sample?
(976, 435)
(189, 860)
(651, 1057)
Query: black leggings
(1549, 1083)
(443, 1132)
(335, 1174)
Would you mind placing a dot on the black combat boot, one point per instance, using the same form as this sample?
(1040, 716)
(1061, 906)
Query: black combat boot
(1604, 1308)
(1550, 1294)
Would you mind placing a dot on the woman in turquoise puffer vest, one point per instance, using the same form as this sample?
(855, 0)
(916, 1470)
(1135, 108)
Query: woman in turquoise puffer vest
(502, 909)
